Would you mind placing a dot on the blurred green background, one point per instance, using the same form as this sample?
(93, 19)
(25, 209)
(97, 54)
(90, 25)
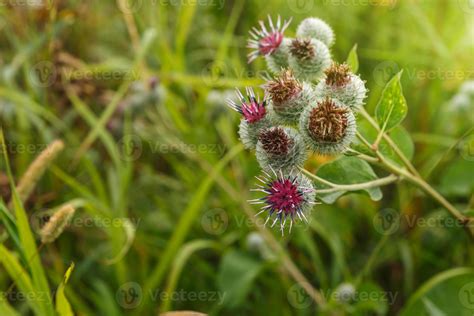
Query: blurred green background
(137, 90)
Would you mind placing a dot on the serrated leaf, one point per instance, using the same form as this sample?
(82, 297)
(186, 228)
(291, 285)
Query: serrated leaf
(353, 59)
(392, 107)
(347, 170)
(236, 274)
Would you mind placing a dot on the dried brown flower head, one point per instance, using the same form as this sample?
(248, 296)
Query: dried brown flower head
(275, 141)
(283, 88)
(302, 49)
(338, 75)
(327, 122)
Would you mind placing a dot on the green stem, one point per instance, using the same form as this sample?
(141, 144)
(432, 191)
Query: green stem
(390, 142)
(417, 180)
(361, 186)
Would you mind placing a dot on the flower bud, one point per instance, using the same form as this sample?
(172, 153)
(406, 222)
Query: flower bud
(289, 97)
(278, 60)
(328, 126)
(340, 83)
(280, 148)
(263, 41)
(286, 196)
(317, 29)
(309, 58)
(255, 117)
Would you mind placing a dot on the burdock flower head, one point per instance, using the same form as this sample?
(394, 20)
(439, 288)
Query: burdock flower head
(287, 196)
(309, 58)
(280, 148)
(254, 117)
(340, 83)
(289, 96)
(265, 42)
(328, 126)
(317, 29)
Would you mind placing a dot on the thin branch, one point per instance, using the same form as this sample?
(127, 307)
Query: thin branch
(363, 156)
(390, 142)
(319, 179)
(362, 186)
(417, 180)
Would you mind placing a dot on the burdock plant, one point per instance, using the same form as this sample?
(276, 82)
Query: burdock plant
(312, 102)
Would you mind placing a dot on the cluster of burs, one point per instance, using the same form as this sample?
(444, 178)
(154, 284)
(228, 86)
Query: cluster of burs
(309, 104)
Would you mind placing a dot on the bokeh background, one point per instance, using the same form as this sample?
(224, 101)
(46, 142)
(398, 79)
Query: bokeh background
(136, 89)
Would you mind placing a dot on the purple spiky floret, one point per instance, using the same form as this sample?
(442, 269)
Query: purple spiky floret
(265, 41)
(251, 108)
(287, 196)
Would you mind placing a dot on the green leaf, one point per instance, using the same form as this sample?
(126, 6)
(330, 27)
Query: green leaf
(185, 223)
(20, 276)
(10, 226)
(28, 241)
(347, 170)
(448, 293)
(236, 274)
(62, 304)
(458, 178)
(6, 309)
(179, 262)
(392, 107)
(353, 59)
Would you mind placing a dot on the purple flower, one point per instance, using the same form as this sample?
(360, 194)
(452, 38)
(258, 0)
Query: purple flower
(264, 42)
(287, 196)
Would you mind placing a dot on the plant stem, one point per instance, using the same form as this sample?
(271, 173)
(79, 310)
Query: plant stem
(390, 142)
(361, 186)
(362, 156)
(319, 179)
(416, 179)
(350, 187)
